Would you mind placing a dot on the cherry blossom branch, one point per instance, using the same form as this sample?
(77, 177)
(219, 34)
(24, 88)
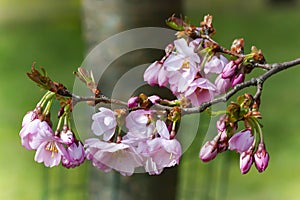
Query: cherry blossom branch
(258, 82)
(95, 100)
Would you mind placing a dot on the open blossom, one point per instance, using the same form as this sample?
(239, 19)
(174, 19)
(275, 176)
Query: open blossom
(180, 79)
(156, 74)
(75, 155)
(118, 156)
(241, 141)
(50, 150)
(139, 122)
(184, 56)
(200, 90)
(29, 117)
(215, 65)
(104, 123)
(160, 152)
(28, 132)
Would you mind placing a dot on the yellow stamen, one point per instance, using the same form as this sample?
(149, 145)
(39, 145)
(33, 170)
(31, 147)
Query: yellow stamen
(185, 65)
(171, 155)
(51, 147)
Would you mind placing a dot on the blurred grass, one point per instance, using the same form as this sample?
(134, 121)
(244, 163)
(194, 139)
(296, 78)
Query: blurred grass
(49, 33)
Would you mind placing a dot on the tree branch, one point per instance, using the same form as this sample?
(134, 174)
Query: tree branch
(258, 81)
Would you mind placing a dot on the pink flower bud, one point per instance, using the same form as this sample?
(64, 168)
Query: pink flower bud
(222, 142)
(209, 151)
(241, 141)
(154, 99)
(221, 125)
(237, 79)
(133, 102)
(261, 158)
(222, 84)
(229, 70)
(246, 161)
(67, 137)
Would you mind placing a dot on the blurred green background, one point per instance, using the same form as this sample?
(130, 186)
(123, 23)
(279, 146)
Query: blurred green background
(49, 32)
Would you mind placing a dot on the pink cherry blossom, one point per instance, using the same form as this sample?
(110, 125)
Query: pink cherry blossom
(29, 117)
(180, 79)
(118, 156)
(200, 90)
(28, 132)
(75, 155)
(156, 74)
(261, 158)
(160, 152)
(50, 150)
(183, 57)
(104, 123)
(139, 122)
(241, 141)
(215, 65)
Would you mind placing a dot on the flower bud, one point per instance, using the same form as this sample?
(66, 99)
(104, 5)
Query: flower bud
(222, 84)
(229, 70)
(237, 79)
(221, 124)
(209, 151)
(261, 158)
(222, 142)
(67, 137)
(246, 161)
(154, 99)
(133, 102)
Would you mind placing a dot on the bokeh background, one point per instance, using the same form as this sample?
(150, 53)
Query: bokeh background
(50, 33)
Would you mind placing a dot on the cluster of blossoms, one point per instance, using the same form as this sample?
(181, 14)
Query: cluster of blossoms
(149, 143)
(142, 133)
(194, 68)
(52, 147)
(247, 142)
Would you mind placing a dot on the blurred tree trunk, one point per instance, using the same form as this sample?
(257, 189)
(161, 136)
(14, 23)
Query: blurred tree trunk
(102, 19)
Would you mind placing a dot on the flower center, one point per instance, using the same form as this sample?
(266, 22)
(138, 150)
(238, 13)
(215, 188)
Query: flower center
(51, 147)
(185, 65)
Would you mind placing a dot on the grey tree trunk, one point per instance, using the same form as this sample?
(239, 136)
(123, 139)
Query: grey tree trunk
(102, 19)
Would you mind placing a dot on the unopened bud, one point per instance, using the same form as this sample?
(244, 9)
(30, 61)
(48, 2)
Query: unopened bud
(237, 79)
(246, 161)
(229, 70)
(261, 158)
(208, 151)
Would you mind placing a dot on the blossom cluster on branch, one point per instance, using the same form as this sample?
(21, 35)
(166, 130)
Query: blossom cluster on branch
(142, 133)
